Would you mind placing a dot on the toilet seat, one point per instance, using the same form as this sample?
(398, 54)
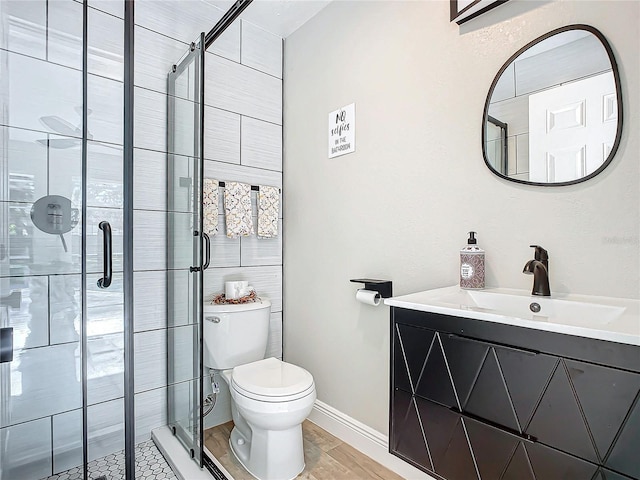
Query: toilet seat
(272, 380)
(272, 398)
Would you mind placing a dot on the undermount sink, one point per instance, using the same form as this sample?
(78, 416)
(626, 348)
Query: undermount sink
(608, 318)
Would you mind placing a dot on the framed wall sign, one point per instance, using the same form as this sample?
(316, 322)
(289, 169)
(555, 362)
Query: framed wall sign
(464, 10)
(342, 131)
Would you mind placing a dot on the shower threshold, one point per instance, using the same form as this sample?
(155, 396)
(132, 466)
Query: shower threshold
(181, 462)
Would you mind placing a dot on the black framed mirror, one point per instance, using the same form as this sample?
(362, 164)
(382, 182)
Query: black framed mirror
(553, 115)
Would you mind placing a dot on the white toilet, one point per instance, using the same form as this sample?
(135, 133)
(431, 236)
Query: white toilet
(270, 398)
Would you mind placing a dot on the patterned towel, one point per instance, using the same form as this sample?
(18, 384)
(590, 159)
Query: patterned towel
(237, 207)
(268, 209)
(210, 206)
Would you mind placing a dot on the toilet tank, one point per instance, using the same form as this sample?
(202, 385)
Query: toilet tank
(235, 334)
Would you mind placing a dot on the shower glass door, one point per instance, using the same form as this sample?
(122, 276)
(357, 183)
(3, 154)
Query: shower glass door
(185, 253)
(61, 230)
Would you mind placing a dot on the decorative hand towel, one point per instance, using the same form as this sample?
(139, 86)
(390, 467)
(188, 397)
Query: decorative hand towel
(268, 209)
(237, 207)
(210, 206)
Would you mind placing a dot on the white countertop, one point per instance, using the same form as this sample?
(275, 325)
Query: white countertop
(604, 318)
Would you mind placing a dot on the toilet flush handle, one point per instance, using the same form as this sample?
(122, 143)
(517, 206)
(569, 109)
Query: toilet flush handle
(213, 319)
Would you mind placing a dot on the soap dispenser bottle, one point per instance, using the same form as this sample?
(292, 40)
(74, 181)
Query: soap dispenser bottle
(472, 264)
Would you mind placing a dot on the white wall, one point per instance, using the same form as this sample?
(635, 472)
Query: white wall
(400, 206)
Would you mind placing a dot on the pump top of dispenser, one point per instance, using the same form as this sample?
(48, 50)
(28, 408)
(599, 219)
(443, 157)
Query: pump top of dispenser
(472, 244)
(472, 238)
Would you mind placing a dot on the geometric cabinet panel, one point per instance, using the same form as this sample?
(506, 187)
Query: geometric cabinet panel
(410, 351)
(465, 358)
(624, 456)
(526, 375)
(593, 404)
(609, 475)
(604, 414)
(435, 383)
(407, 436)
(519, 467)
(447, 441)
(549, 464)
(489, 397)
(558, 421)
(466, 408)
(493, 451)
(458, 463)
(508, 386)
(400, 369)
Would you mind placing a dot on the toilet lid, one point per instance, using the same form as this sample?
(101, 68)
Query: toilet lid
(271, 378)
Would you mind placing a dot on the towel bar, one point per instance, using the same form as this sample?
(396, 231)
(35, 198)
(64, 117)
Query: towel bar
(255, 188)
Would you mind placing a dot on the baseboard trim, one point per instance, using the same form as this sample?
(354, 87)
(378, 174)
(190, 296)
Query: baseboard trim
(364, 438)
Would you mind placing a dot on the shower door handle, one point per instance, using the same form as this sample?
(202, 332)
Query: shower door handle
(207, 251)
(6, 345)
(105, 281)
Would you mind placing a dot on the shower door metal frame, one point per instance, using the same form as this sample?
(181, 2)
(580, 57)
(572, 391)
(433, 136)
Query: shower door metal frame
(200, 263)
(84, 341)
(127, 246)
(127, 267)
(191, 440)
(204, 262)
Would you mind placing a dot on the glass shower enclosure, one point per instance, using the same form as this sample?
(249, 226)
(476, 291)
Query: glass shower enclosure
(63, 268)
(187, 248)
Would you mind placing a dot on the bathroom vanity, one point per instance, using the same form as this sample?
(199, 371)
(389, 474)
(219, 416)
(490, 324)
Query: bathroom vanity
(482, 387)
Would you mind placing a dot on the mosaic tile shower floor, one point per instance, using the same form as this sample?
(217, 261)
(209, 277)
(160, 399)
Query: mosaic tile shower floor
(150, 465)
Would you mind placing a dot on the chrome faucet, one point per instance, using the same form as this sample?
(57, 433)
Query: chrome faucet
(539, 267)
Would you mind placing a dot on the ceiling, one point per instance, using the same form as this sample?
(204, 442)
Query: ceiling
(282, 17)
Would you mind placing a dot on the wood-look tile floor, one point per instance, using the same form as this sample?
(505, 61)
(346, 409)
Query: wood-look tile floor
(326, 457)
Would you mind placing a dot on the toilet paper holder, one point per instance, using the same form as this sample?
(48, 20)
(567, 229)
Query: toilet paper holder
(383, 287)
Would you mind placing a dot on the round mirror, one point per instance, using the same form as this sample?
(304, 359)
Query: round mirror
(553, 115)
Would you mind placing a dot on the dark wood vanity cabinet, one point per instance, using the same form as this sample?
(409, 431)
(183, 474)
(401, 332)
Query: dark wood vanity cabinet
(479, 400)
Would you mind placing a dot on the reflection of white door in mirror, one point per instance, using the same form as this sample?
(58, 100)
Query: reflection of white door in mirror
(572, 128)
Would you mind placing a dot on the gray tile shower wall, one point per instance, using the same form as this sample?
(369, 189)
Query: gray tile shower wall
(163, 32)
(243, 142)
(244, 101)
